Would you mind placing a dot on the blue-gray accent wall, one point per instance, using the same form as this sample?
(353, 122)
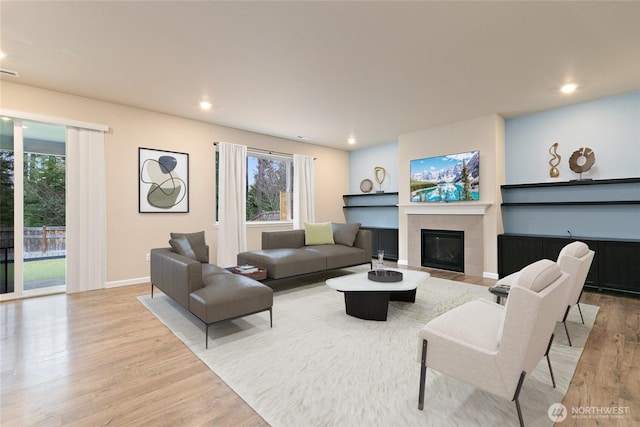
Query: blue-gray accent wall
(611, 128)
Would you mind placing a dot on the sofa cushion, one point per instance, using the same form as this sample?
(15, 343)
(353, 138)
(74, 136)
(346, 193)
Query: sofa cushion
(209, 271)
(282, 239)
(182, 246)
(229, 295)
(198, 244)
(284, 262)
(338, 256)
(345, 234)
(319, 233)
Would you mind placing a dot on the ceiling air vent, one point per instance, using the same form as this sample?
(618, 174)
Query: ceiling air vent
(4, 72)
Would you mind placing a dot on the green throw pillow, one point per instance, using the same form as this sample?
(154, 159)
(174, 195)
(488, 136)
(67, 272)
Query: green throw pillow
(198, 245)
(318, 233)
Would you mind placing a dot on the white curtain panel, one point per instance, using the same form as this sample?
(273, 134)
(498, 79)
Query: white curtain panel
(303, 191)
(232, 236)
(86, 210)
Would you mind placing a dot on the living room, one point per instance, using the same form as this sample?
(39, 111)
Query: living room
(514, 150)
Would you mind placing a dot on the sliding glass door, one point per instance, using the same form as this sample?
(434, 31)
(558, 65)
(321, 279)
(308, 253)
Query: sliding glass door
(33, 203)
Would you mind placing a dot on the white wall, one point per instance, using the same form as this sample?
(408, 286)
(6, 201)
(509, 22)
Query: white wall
(131, 234)
(485, 134)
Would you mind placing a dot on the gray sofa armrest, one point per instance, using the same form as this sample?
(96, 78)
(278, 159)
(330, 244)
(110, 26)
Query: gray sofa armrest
(364, 241)
(175, 275)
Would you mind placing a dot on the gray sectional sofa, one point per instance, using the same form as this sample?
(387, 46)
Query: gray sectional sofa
(210, 292)
(285, 254)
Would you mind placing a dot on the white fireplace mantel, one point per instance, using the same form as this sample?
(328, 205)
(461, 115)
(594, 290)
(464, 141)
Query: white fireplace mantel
(453, 208)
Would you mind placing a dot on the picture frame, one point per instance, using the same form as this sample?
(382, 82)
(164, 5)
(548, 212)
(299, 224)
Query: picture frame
(163, 181)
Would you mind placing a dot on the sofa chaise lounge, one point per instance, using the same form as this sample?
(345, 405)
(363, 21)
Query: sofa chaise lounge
(209, 292)
(291, 253)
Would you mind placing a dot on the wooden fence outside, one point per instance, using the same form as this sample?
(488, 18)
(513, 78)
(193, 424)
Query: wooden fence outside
(39, 242)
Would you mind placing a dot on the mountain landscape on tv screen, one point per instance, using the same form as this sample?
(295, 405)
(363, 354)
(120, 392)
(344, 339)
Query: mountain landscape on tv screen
(454, 177)
(452, 174)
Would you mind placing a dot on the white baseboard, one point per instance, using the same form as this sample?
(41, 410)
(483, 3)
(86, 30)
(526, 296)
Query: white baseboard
(127, 282)
(403, 262)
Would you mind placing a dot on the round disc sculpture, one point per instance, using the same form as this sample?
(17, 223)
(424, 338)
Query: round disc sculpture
(582, 160)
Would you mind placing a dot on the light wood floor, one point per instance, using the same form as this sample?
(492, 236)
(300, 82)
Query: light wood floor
(100, 357)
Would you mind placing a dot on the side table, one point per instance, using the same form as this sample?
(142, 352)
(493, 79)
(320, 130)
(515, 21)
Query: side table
(259, 274)
(500, 291)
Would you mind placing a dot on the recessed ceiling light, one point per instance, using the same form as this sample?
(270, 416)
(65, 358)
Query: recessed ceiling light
(351, 140)
(205, 105)
(569, 88)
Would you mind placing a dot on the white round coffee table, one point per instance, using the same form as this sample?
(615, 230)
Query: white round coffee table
(369, 300)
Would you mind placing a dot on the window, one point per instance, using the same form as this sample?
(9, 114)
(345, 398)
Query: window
(269, 186)
(37, 261)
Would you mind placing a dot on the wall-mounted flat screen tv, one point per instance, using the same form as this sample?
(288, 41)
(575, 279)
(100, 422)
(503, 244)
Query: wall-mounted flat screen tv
(449, 178)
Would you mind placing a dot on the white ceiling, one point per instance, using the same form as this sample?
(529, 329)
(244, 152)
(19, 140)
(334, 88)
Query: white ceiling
(326, 70)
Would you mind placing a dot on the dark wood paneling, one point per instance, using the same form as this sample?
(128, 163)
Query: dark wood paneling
(619, 264)
(516, 252)
(385, 239)
(616, 263)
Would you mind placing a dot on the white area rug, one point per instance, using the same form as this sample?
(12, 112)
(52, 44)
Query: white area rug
(319, 367)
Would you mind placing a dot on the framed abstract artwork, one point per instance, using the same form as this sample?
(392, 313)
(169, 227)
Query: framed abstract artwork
(163, 181)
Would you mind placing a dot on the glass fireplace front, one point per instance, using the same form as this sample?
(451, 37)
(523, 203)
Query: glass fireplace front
(443, 249)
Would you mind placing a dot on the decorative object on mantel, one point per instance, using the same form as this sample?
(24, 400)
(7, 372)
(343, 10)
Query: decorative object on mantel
(555, 161)
(582, 160)
(379, 174)
(366, 185)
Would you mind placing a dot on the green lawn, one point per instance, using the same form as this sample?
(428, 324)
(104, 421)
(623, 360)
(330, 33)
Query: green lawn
(45, 269)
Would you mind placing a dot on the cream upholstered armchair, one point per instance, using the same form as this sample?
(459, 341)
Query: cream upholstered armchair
(495, 347)
(575, 260)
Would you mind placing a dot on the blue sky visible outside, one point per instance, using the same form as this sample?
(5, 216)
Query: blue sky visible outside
(252, 167)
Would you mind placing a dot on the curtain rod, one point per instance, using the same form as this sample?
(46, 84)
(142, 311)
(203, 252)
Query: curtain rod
(262, 150)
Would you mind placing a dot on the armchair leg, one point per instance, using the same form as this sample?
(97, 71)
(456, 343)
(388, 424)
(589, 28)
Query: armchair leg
(564, 322)
(580, 310)
(567, 331)
(271, 317)
(519, 413)
(152, 291)
(578, 304)
(517, 394)
(206, 336)
(423, 373)
(553, 380)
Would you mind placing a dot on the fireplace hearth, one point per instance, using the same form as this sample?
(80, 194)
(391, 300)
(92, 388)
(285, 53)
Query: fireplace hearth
(442, 249)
